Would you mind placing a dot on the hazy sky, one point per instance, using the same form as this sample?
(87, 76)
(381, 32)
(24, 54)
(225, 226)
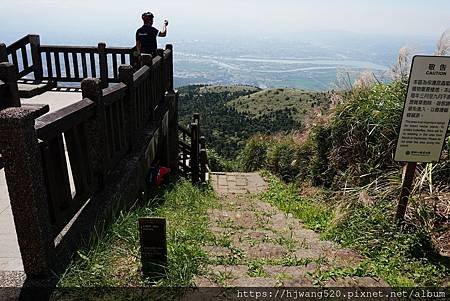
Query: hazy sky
(90, 19)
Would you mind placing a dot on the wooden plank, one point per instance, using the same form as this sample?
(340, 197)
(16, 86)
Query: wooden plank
(14, 60)
(23, 50)
(79, 162)
(18, 44)
(84, 65)
(93, 69)
(110, 130)
(57, 65)
(141, 105)
(76, 49)
(49, 64)
(184, 145)
(67, 64)
(57, 180)
(75, 65)
(137, 107)
(114, 59)
(52, 124)
(116, 126)
(122, 113)
(184, 130)
(119, 50)
(140, 75)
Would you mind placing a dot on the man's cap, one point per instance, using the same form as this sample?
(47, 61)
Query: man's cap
(147, 14)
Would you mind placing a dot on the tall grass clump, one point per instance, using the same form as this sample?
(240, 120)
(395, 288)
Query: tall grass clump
(353, 146)
(254, 155)
(363, 133)
(403, 256)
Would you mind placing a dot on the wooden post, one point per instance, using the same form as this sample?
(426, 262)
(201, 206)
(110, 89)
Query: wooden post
(126, 76)
(194, 164)
(146, 59)
(410, 170)
(203, 159)
(196, 118)
(26, 186)
(103, 62)
(172, 101)
(170, 66)
(202, 142)
(3, 53)
(10, 97)
(35, 44)
(162, 88)
(203, 162)
(91, 88)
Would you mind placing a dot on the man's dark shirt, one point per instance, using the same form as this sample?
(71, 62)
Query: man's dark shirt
(147, 36)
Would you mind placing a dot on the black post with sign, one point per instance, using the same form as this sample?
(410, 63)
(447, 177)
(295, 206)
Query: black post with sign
(152, 231)
(425, 119)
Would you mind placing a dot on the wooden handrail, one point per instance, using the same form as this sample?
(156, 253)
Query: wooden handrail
(61, 48)
(114, 93)
(18, 44)
(184, 130)
(141, 74)
(186, 147)
(57, 122)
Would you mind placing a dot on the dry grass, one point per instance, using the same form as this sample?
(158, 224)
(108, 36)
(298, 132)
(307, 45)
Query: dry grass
(443, 45)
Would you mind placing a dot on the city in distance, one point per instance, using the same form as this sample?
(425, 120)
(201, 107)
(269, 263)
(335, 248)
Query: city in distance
(309, 61)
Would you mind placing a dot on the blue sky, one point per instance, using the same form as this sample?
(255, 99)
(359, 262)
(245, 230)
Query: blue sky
(88, 19)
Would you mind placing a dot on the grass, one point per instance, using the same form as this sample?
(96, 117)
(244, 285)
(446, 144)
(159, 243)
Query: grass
(298, 102)
(231, 89)
(316, 216)
(402, 256)
(114, 259)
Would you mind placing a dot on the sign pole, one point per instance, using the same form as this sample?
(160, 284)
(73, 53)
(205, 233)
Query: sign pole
(410, 170)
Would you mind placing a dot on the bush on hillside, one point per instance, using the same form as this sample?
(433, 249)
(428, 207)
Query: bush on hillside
(363, 132)
(218, 163)
(359, 139)
(254, 155)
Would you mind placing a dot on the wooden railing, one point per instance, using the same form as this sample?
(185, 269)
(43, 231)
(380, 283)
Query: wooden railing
(69, 156)
(74, 63)
(24, 55)
(193, 160)
(60, 132)
(66, 63)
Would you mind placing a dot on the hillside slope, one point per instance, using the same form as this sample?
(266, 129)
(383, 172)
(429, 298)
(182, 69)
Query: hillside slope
(230, 115)
(294, 102)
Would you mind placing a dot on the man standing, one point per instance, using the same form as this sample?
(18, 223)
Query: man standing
(146, 35)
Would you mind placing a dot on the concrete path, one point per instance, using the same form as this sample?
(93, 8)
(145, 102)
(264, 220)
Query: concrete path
(257, 245)
(10, 259)
(55, 99)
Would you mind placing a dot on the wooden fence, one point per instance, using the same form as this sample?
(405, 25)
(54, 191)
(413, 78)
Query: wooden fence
(89, 154)
(66, 63)
(193, 160)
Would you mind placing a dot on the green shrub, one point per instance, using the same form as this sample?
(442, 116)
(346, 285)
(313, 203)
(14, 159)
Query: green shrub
(254, 155)
(281, 159)
(218, 163)
(363, 132)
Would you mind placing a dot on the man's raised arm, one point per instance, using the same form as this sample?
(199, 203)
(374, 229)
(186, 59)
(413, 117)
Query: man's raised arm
(163, 31)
